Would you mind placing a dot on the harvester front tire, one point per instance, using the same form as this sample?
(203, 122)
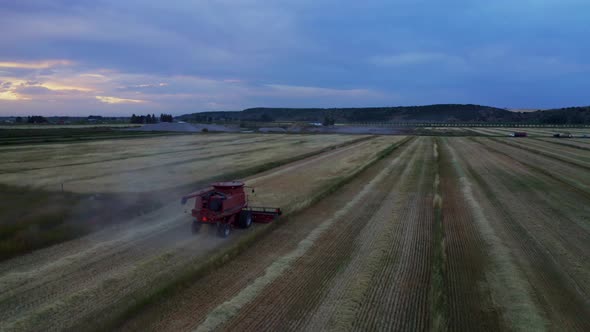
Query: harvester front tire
(223, 230)
(245, 220)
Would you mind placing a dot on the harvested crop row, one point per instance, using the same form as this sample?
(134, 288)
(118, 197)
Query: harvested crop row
(543, 131)
(468, 299)
(566, 154)
(368, 251)
(582, 141)
(399, 296)
(325, 264)
(565, 172)
(488, 131)
(566, 142)
(128, 170)
(256, 266)
(29, 158)
(94, 272)
(547, 241)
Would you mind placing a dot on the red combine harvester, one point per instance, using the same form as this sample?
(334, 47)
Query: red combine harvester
(225, 205)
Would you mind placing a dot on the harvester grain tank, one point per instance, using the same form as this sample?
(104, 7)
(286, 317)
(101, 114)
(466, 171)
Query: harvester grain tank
(225, 205)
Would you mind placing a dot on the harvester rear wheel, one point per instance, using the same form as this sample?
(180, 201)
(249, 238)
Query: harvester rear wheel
(245, 220)
(195, 227)
(223, 229)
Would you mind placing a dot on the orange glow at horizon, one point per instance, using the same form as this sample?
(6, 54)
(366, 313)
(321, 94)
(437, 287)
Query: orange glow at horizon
(11, 95)
(34, 65)
(57, 86)
(115, 100)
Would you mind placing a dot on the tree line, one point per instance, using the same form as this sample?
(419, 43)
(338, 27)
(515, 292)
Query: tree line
(32, 119)
(450, 113)
(151, 118)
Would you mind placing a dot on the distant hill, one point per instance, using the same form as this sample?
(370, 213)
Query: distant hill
(435, 113)
(569, 115)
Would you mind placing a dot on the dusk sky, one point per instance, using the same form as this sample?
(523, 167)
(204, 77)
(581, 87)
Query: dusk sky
(115, 57)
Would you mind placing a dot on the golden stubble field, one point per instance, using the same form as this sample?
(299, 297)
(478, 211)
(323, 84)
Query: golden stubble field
(103, 271)
(149, 164)
(380, 233)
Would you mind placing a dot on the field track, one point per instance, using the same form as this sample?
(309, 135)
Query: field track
(420, 241)
(124, 165)
(386, 233)
(570, 173)
(582, 145)
(81, 279)
(545, 225)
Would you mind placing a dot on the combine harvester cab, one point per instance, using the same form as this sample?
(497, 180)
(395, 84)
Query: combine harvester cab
(225, 205)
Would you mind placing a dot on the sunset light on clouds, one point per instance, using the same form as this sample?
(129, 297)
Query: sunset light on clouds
(115, 100)
(34, 65)
(119, 57)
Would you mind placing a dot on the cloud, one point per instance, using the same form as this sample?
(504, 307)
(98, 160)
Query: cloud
(312, 91)
(414, 58)
(145, 85)
(115, 100)
(58, 86)
(12, 96)
(189, 56)
(34, 65)
(92, 75)
(34, 90)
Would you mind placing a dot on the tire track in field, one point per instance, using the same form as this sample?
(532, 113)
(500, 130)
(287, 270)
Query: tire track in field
(567, 174)
(573, 162)
(388, 303)
(473, 251)
(121, 233)
(585, 142)
(571, 144)
(85, 270)
(275, 271)
(201, 146)
(212, 156)
(569, 152)
(299, 297)
(559, 304)
(338, 309)
(565, 227)
(214, 289)
(399, 296)
(572, 153)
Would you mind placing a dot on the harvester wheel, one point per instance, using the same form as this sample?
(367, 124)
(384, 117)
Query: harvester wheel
(223, 229)
(245, 219)
(195, 227)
